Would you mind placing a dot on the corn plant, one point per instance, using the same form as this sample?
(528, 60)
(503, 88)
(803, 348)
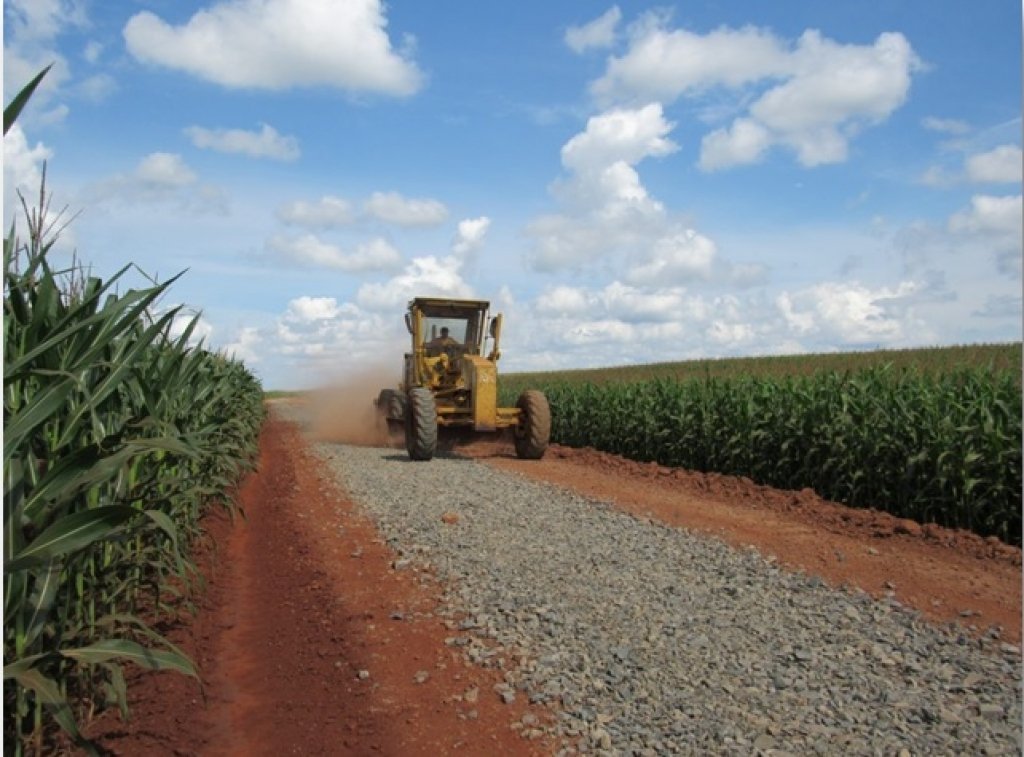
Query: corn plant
(942, 447)
(117, 437)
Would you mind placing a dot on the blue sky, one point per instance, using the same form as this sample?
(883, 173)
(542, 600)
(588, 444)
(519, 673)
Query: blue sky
(627, 183)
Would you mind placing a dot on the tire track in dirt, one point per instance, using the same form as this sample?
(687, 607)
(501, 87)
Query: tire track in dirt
(311, 643)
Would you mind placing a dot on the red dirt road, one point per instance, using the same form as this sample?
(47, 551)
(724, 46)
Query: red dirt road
(310, 643)
(297, 605)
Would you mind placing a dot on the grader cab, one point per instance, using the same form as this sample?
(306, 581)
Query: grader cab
(450, 381)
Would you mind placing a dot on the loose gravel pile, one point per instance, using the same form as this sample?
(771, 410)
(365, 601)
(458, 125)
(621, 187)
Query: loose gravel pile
(651, 640)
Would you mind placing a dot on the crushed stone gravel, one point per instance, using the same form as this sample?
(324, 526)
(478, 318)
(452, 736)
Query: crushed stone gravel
(651, 640)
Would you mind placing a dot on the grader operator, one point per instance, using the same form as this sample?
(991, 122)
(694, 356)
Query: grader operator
(450, 381)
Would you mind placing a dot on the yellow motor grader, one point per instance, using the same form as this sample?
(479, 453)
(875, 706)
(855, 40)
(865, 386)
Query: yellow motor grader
(451, 381)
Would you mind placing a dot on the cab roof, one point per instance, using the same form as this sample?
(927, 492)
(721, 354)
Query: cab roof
(445, 305)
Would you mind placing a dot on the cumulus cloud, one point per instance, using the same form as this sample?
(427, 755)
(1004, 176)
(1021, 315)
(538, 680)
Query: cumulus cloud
(832, 92)
(619, 135)
(279, 44)
(162, 169)
(308, 309)
(745, 141)
(308, 249)
(608, 204)
(678, 257)
(23, 164)
(423, 277)
(265, 143)
(1001, 165)
(608, 212)
(663, 64)
(317, 336)
(469, 237)
(394, 208)
(997, 223)
(563, 301)
(325, 213)
(31, 28)
(246, 346)
(598, 33)
(159, 177)
(186, 318)
(809, 97)
(987, 214)
(847, 313)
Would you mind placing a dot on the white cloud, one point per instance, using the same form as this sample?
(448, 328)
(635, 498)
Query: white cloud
(1001, 165)
(850, 314)
(676, 258)
(22, 171)
(730, 334)
(31, 28)
(563, 301)
(158, 178)
(247, 346)
(596, 34)
(375, 255)
(814, 95)
(663, 64)
(834, 90)
(996, 216)
(422, 277)
(265, 143)
(160, 170)
(945, 125)
(308, 309)
(643, 305)
(279, 44)
(619, 135)
(996, 225)
(746, 141)
(607, 206)
(470, 236)
(327, 212)
(394, 208)
(202, 330)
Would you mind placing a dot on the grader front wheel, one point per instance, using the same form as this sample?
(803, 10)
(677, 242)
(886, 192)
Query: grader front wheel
(420, 424)
(534, 428)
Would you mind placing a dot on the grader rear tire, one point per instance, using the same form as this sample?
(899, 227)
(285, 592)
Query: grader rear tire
(533, 432)
(420, 424)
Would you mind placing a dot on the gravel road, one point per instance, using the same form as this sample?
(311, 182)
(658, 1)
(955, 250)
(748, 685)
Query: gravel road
(652, 640)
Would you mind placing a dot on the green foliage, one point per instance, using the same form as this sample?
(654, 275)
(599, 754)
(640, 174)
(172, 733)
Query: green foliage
(936, 446)
(118, 436)
(930, 360)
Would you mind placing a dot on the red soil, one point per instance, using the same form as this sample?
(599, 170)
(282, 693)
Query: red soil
(947, 575)
(297, 605)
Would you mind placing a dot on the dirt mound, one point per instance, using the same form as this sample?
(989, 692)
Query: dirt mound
(868, 522)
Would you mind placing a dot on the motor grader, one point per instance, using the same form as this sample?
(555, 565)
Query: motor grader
(450, 381)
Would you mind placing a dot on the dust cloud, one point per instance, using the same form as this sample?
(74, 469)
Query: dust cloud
(343, 410)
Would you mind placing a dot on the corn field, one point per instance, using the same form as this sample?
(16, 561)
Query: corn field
(118, 436)
(942, 447)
